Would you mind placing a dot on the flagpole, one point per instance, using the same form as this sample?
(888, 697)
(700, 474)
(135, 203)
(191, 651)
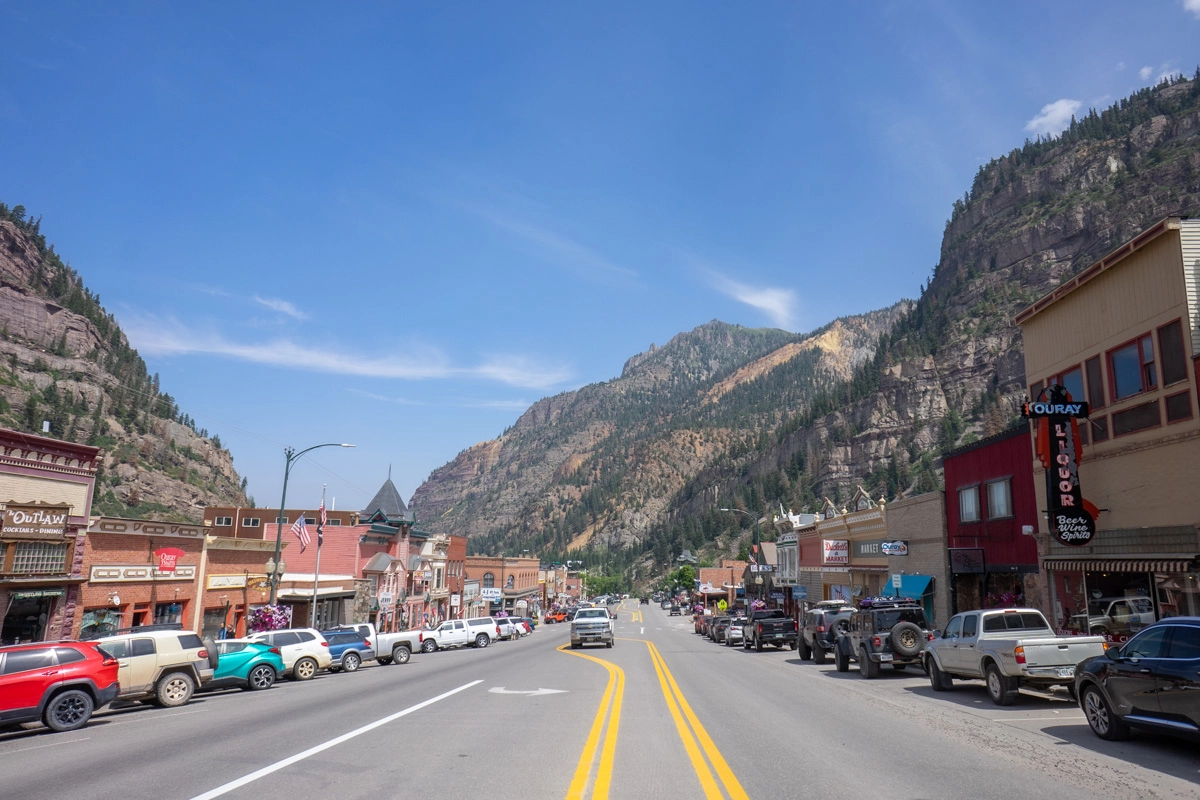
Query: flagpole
(317, 569)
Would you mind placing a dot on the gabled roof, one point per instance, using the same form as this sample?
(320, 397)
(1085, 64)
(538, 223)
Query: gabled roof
(387, 503)
(380, 562)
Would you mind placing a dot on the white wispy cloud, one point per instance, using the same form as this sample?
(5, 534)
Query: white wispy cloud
(169, 337)
(507, 405)
(555, 247)
(780, 305)
(1054, 117)
(1193, 6)
(1120, 66)
(282, 306)
(1145, 72)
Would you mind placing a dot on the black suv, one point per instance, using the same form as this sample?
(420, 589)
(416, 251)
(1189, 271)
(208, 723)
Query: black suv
(820, 628)
(886, 630)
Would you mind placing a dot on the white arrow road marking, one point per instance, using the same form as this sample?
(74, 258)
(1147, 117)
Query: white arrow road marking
(533, 693)
(643, 630)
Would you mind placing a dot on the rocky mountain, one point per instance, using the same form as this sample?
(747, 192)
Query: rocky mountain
(64, 360)
(647, 459)
(599, 465)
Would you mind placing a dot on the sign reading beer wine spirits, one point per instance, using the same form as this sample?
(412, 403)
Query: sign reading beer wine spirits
(836, 551)
(1058, 448)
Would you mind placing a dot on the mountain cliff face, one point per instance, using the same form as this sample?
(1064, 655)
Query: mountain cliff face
(64, 360)
(871, 401)
(599, 465)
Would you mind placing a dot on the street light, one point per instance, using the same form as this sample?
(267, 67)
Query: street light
(755, 517)
(291, 457)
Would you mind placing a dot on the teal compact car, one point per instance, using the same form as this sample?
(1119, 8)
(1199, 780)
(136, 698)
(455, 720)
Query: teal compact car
(246, 665)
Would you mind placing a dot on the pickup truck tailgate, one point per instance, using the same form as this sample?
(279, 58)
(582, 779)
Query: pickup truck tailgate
(1065, 652)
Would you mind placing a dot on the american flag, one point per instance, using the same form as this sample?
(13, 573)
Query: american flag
(324, 518)
(301, 533)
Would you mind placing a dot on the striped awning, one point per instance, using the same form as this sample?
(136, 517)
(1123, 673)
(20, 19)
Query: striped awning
(1157, 564)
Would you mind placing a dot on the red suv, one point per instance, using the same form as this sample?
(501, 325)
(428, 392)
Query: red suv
(59, 683)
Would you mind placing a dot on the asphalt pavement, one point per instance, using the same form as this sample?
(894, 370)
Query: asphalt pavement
(664, 713)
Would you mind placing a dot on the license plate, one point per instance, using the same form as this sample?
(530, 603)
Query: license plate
(885, 656)
(1066, 672)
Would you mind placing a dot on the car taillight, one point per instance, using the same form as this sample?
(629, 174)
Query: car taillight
(875, 640)
(760, 627)
(420, 637)
(929, 636)
(108, 661)
(202, 655)
(274, 650)
(367, 642)
(820, 629)
(497, 630)
(1019, 652)
(324, 644)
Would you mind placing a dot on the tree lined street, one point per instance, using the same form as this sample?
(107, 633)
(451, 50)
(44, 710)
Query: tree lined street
(525, 719)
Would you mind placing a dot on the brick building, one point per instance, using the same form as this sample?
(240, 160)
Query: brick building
(215, 582)
(916, 528)
(516, 578)
(46, 487)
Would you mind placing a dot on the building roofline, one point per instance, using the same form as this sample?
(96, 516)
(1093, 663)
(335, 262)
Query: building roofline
(1104, 264)
(1016, 430)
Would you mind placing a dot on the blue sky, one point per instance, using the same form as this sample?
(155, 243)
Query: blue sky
(398, 225)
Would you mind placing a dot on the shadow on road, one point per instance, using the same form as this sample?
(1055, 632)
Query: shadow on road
(1170, 755)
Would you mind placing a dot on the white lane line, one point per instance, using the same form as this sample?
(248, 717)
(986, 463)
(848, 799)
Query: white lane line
(1079, 718)
(643, 630)
(312, 751)
(40, 746)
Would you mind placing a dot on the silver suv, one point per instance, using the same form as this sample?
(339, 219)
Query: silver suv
(163, 666)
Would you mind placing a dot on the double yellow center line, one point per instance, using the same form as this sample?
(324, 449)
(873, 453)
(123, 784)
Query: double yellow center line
(614, 692)
(713, 773)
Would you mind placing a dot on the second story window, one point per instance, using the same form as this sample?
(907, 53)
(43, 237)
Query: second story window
(489, 580)
(251, 522)
(999, 495)
(1131, 368)
(968, 504)
(223, 522)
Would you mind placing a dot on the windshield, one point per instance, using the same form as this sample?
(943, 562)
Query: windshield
(889, 619)
(592, 613)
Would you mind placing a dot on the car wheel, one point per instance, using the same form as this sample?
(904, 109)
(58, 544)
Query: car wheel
(1001, 689)
(261, 677)
(482, 640)
(401, 654)
(818, 654)
(867, 668)
(907, 639)
(351, 662)
(609, 643)
(305, 669)
(841, 660)
(174, 689)
(940, 681)
(1100, 717)
(805, 650)
(757, 646)
(428, 646)
(68, 710)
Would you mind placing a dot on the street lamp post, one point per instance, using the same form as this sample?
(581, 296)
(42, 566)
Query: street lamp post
(291, 457)
(757, 541)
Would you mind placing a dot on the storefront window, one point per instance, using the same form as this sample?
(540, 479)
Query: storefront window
(1117, 605)
(40, 558)
(215, 621)
(168, 613)
(100, 622)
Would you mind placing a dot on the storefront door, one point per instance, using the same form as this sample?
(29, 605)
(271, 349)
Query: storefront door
(26, 619)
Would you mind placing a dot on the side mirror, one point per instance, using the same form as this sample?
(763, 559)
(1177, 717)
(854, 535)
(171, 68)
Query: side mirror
(936, 634)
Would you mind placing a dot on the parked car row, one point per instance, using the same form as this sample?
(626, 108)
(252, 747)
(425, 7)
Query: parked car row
(61, 684)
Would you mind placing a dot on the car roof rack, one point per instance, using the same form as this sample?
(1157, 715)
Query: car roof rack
(163, 626)
(888, 602)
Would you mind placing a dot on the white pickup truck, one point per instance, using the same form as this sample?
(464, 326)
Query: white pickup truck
(390, 648)
(1007, 648)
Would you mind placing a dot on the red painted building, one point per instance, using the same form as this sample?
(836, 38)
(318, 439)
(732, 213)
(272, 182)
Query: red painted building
(991, 513)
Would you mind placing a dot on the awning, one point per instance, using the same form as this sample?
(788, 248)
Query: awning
(307, 594)
(910, 586)
(1153, 564)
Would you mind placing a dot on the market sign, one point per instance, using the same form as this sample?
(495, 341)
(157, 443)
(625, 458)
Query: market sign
(895, 548)
(168, 558)
(836, 551)
(35, 522)
(1058, 450)
(868, 548)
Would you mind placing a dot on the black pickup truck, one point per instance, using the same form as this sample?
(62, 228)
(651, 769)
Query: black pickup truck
(769, 627)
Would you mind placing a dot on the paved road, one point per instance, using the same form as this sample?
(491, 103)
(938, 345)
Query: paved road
(664, 713)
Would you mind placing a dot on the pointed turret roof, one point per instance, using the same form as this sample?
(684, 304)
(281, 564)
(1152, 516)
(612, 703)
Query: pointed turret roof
(388, 503)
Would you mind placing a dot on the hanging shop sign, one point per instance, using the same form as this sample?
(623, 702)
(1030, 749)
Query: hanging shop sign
(168, 557)
(37, 594)
(967, 561)
(35, 522)
(836, 551)
(1058, 449)
(492, 593)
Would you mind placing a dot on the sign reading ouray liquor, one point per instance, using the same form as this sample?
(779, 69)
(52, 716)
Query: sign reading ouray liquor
(35, 522)
(1058, 448)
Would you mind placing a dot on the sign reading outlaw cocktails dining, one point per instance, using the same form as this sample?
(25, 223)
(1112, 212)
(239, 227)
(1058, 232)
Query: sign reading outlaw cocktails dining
(35, 522)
